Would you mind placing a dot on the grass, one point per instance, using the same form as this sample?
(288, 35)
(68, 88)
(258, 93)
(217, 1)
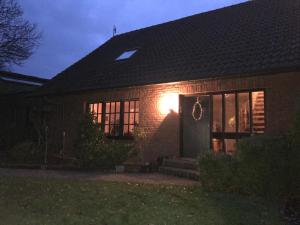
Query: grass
(53, 201)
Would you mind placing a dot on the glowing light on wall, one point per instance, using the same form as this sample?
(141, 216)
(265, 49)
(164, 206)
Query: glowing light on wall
(169, 102)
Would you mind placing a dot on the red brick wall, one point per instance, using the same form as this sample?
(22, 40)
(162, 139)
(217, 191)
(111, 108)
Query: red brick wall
(282, 92)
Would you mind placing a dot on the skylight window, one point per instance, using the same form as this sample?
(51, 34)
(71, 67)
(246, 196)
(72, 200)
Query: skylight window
(126, 55)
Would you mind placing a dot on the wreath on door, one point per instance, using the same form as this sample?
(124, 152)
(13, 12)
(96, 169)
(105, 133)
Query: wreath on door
(197, 107)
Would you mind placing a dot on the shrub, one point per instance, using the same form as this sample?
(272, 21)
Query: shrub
(26, 152)
(294, 159)
(263, 166)
(218, 172)
(93, 150)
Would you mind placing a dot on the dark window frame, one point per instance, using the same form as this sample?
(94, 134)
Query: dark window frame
(136, 116)
(121, 120)
(235, 135)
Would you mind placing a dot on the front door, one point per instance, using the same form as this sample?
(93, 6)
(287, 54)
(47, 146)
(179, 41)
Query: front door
(195, 127)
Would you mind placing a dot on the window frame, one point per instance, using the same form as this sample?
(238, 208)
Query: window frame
(121, 123)
(237, 134)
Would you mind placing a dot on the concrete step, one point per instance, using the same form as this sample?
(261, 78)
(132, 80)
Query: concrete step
(181, 163)
(190, 174)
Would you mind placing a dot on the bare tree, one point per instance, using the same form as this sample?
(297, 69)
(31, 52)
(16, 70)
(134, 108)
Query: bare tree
(18, 37)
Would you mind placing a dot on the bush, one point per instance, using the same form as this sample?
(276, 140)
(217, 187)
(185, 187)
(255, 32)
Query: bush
(218, 172)
(294, 159)
(26, 152)
(263, 166)
(94, 151)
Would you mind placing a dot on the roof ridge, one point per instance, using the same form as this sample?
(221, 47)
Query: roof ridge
(184, 18)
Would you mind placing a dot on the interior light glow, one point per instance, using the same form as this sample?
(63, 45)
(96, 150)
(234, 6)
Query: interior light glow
(168, 102)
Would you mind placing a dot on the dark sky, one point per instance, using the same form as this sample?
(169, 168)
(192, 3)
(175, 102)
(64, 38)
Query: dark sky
(73, 28)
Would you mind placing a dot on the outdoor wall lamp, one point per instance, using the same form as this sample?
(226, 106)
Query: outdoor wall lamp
(168, 102)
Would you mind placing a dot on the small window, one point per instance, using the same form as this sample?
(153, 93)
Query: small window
(126, 55)
(244, 112)
(230, 121)
(112, 118)
(258, 111)
(131, 117)
(96, 110)
(217, 113)
(230, 146)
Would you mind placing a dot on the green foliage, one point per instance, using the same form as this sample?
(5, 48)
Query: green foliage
(294, 158)
(26, 152)
(261, 166)
(93, 150)
(218, 171)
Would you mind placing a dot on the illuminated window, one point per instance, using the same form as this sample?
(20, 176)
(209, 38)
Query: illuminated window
(230, 146)
(116, 118)
(217, 113)
(126, 55)
(131, 117)
(244, 112)
(236, 115)
(230, 117)
(258, 112)
(112, 118)
(96, 110)
(217, 145)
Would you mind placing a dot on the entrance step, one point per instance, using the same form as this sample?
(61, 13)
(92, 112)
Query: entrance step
(181, 163)
(190, 174)
(181, 167)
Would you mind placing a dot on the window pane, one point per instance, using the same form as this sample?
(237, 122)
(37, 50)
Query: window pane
(117, 118)
(112, 107)
(258, 112)
(118, 107)
(106, 130)
(95, 108)
(217, 113)
(131, 128)
(137, 106)
(112, 118)
(230, 146)
(99, 118)
(107, 119)
(131, 119)
(132, 106)
(137, 121)
(244, 112)
(126, 106)
(125, 129)
(126, 117)
(230, 121)
(100, 108)
(112, 130)
(217, 145)
(91, 107)
(107, 109)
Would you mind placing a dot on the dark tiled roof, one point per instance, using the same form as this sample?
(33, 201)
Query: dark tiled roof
(252, 37)
(14, 83)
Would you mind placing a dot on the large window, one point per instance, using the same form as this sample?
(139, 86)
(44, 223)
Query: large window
(116, 118)
(236, 115)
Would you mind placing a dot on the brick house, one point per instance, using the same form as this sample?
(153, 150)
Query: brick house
(15, 107)
(194, 84)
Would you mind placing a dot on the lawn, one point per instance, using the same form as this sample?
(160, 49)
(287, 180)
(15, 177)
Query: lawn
(55, 201)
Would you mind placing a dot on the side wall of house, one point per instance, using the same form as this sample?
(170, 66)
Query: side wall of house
(282, 93)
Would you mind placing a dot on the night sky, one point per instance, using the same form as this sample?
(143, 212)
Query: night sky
(73, 28)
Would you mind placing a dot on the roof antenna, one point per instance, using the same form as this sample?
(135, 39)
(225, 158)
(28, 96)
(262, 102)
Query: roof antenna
(114, 30)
